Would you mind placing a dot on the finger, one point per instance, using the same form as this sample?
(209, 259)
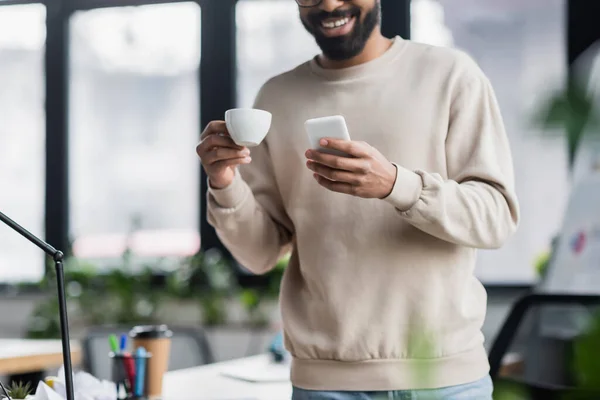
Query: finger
(339, 187)
(214, 128)
(333, 174)
(232, 162)
(357, 165)
(220, 140)
(356, 149)
(214, 141)
(222, 154)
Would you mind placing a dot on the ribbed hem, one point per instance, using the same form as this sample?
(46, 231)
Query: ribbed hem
(389, 375)
(407, 189)
(232, 195)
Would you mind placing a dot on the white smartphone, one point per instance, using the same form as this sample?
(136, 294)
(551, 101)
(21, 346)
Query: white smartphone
(327, 127)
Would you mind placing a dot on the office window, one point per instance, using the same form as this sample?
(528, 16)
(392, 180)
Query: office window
(134, 124)
(22, 138)
(521, 46)
(588, 154)
(270, 40)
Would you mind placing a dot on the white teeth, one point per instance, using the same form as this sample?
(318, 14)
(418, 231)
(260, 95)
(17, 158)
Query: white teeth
(336, 24)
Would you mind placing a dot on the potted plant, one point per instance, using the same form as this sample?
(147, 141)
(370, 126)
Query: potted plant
(18, 391)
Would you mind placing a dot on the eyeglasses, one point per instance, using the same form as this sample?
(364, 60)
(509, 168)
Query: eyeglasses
(308, 3)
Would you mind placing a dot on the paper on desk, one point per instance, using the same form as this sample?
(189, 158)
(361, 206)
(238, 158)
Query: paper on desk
(85, 387)
(265, 373)
(45, 392)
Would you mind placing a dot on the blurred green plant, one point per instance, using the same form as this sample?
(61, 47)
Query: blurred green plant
(586, 359)
(129, 294)
(208, 278)
(541, 263)
(19, 391)
(423, 345)
(570, 111)
(253, 299)
(126, 296)
(276, 275)
(510, 391)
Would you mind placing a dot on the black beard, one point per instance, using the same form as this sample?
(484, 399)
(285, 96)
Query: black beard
(348, 46)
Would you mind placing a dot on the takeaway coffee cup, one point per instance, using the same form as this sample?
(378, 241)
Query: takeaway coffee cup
(156, 339)
(248, 126)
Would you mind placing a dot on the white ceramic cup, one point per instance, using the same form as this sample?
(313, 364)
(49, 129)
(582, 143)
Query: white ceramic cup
(248, 126)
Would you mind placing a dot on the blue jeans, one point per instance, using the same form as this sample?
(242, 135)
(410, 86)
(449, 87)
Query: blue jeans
(479, 390)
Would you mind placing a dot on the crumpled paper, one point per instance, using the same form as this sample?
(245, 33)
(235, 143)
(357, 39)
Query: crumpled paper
(45, 392)
(85, 387)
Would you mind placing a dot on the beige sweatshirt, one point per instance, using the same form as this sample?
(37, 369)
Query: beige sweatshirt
(379, 294)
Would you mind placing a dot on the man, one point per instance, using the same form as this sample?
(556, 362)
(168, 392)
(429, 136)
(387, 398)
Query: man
(379, 299)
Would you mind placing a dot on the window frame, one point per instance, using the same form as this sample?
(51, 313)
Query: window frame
(217, 18)
(19, 2)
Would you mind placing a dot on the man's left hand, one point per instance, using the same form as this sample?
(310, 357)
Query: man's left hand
(367, 173)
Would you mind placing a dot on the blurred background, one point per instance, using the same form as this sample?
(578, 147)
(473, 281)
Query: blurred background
(101, 106)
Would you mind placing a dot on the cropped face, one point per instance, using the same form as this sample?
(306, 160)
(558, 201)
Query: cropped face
(340, 28)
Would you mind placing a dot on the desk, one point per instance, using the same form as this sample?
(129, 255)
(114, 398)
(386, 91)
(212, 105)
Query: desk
(208, 383)
(23, 356)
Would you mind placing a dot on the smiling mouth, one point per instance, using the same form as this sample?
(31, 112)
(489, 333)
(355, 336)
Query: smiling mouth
(337, 26)
(335, 23)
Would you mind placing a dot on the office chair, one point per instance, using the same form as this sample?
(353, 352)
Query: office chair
(189, 348)
(537, 388)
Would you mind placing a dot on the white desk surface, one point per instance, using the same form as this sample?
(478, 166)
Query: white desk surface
(209, 383)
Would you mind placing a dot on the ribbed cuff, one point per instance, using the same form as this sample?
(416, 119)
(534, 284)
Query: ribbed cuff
(407, 189)
(231, 196)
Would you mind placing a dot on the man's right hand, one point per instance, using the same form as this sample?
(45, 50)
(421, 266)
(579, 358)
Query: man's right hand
(220, 155)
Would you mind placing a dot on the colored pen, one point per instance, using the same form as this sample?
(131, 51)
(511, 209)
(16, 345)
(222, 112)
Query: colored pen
(140, 370)
(123, 342)
(114, 346)
(125, 373)
(130, 372)
(112, 341)
(128, 366)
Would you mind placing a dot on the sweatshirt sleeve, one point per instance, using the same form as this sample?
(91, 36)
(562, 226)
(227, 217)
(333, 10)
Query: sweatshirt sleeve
(249, 216)
(475, 204)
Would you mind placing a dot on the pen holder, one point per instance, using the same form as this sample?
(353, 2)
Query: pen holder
(129, 373)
